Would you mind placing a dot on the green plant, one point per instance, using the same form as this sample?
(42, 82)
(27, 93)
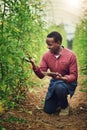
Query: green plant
(2, 128)
(21, 35)
(80, 46)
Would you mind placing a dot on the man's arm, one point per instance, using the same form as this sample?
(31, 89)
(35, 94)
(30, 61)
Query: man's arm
(36, 68)
(73, 70)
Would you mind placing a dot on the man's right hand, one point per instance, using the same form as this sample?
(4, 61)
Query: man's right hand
(30, 60)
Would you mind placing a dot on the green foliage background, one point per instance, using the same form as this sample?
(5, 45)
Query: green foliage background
(80, 47)
(21, 35)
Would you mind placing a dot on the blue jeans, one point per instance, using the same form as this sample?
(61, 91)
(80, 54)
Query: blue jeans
(56, 96)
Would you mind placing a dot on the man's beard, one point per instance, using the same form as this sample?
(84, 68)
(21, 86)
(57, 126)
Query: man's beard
(54, 51)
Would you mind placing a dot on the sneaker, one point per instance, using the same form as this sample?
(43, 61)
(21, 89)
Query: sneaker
(64, 112)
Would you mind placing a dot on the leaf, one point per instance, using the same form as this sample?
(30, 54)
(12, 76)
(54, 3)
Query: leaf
(39, 108)
(1, 108)
(29, 112)
(2, 128)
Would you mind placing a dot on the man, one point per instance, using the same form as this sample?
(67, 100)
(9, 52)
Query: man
(63, 63)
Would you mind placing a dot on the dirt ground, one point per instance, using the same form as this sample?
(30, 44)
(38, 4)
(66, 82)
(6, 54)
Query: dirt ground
(33, 118)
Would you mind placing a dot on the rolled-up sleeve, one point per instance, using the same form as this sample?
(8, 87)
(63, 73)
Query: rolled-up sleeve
(43, 67)
(73, 70)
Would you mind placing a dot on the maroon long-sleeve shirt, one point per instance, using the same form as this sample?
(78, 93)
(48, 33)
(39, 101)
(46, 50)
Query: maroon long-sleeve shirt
(65, 64)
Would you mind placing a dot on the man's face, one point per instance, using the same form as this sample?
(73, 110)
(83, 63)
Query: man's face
(52, 45)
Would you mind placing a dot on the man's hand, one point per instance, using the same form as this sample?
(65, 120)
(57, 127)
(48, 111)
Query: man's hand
(60, 77)
(57, 76)
(30, 60)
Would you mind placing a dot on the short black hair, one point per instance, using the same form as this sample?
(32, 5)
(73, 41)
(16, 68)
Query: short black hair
(56, 35)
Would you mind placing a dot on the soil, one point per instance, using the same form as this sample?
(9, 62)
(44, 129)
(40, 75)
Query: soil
(30, 115)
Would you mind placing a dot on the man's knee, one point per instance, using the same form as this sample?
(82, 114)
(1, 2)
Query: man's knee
(60, 90)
